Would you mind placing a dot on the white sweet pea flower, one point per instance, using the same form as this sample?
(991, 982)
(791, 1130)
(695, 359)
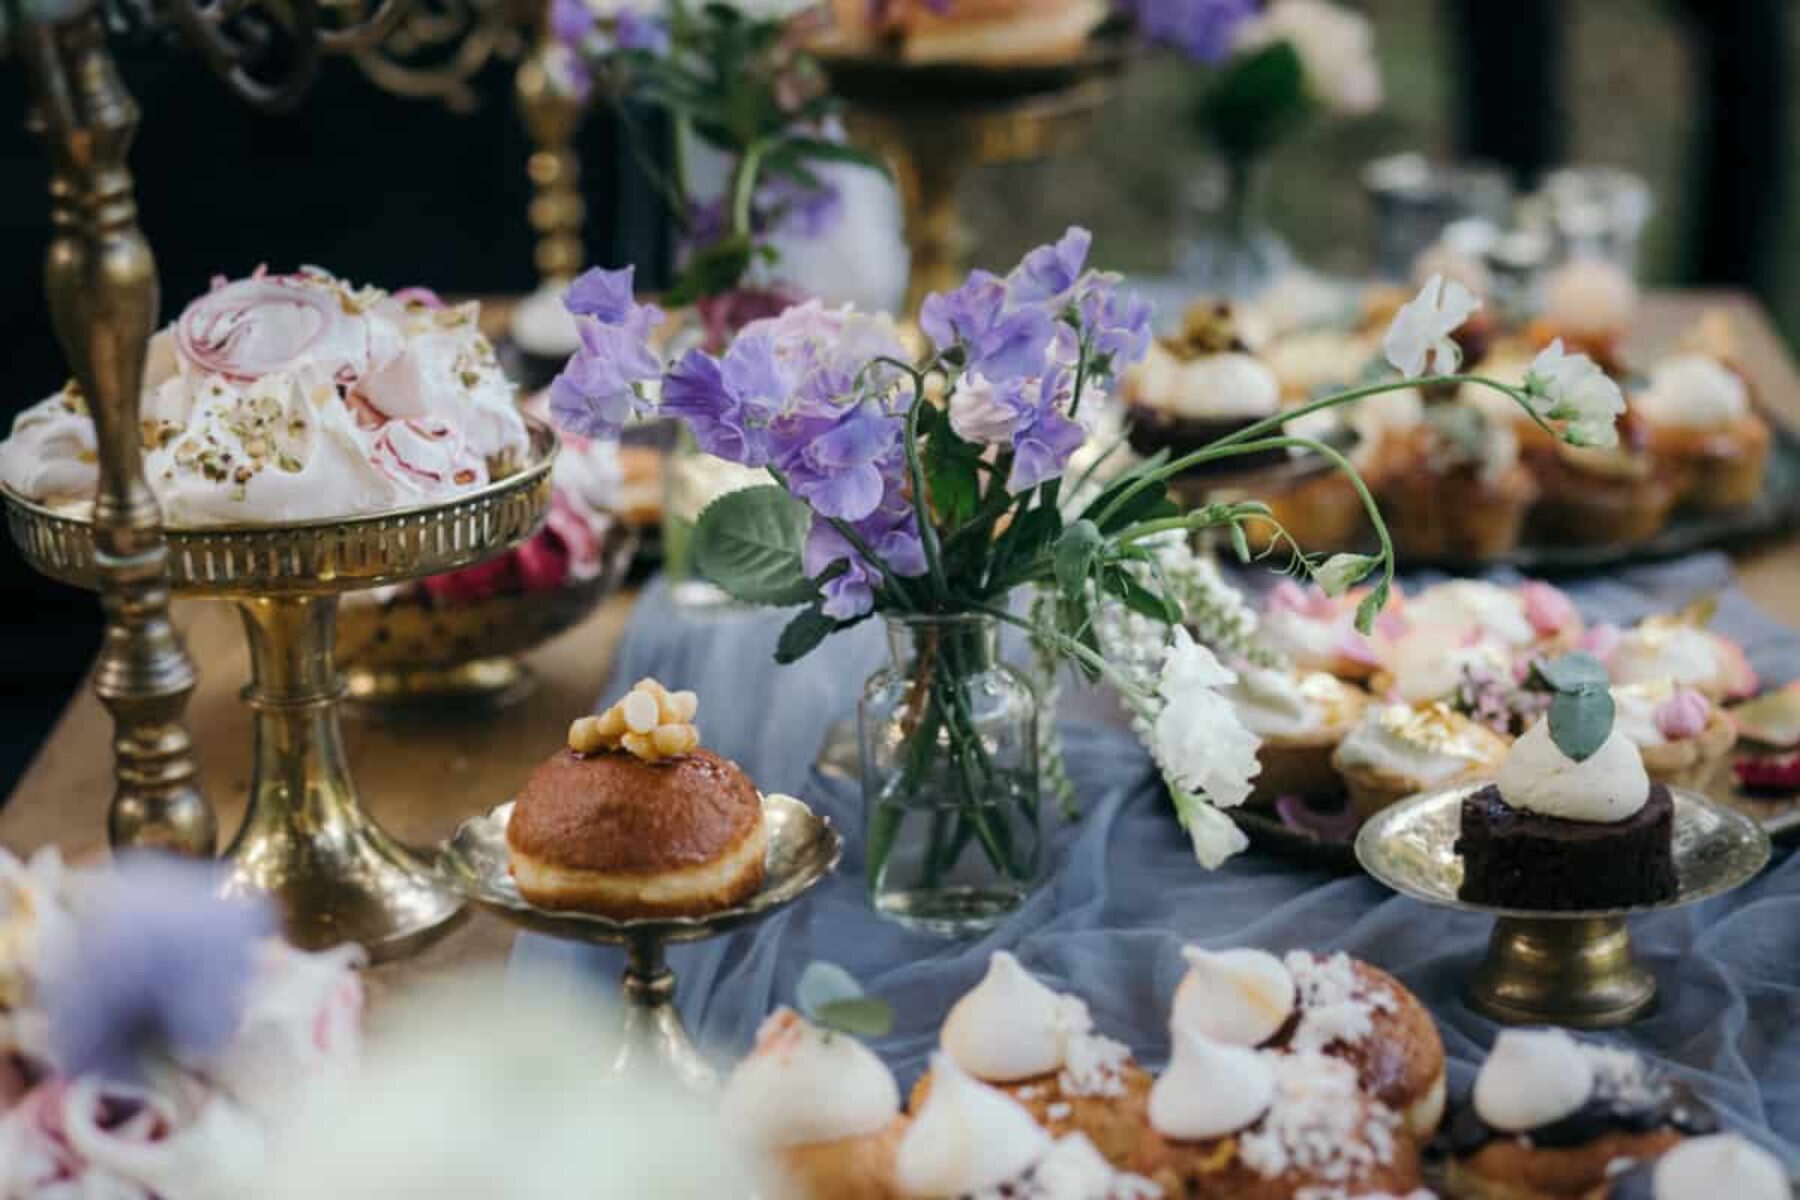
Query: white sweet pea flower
(1572, 388)
(1420, 334)
(1336, 47)
(1197, 737)
(1215, 836)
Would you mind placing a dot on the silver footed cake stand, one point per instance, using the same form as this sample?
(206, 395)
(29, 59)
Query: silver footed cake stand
(1547, 966)
(307, 840)
(804, 847)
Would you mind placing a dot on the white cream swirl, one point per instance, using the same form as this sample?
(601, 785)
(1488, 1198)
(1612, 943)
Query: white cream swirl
(1239, 997)
(1667, 650)
(1609, 785)
(1210, 1089)
(1590, 297)
(965, 1137)
(1430, 661)
(1275, 703)
(1531, 1078)
(1693, 391)
(1429, 745)
(51, 455)
(1724, 1164)
(1211, 387)
(802, 1085)
(1009, 1026)
(1474, 605)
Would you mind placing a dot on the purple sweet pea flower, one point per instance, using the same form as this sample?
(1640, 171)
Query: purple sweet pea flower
(890, 532)
(1027, 415)
(1041, 450)
(1204, 30)
(158, 963)
(1000, 341)
(648, 32)
(839, 471)
(1117, 321)
(597, 391)
(1048, 274)
(571, 21)
(727, 418)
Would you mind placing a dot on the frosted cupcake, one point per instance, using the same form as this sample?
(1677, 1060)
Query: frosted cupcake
(1300, 718)
(1589, 303)
(1398, 751)
(1191, 390)
(1321, 1004)
(1039, 1048)
(820, 1106)
(1702, 426)
(1684, 738)
(1675, 649)
(1465, 495)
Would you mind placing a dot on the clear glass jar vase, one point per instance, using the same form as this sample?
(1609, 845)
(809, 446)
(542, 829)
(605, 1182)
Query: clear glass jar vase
(949, 736)
(1224, 247)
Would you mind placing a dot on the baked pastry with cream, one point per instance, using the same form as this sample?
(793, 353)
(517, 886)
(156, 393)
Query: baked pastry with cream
(1316, 632)
(1334, 1005)
(969, 1140)
(1198, 387)
(1398, 751)
(1230, 1123)
(980, 32)
(821, 1107)
(1589, 303)
(1465, 496)
(1554, 832)
(1702, 427)
(1705, 1168)
(633, 819)
(1038, 1047)
(1299, 718)
(1684, 738)
(1592, 495)
(1549, 1116)
(1432, 661)
(1677, 649)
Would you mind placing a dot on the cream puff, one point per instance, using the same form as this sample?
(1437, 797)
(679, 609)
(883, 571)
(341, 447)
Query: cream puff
(1398, 751)
(1550, 1115)
(1705, 1168)
(1702, 426)
(1038, 1047)
(1321, 1004)
(1684, 738)
(634, 820)
(820, 1107)
(1230, 1123)
(970, 1140)
(1299, 719)
(1679, 650)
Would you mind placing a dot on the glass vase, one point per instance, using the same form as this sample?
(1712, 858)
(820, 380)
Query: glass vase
(1226, 249)
(949, 739)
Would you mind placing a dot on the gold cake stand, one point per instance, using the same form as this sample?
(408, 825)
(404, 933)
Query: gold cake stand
(1572, 968)
(804, 847)
(307, 839)
(937, 122)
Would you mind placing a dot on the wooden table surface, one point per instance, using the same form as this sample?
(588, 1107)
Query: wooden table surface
(421, 779)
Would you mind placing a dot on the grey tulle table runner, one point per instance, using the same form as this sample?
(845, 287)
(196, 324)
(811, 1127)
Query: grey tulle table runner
(1124, 892)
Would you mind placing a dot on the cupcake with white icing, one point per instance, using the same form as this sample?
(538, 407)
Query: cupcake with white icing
(1433, 662)
(1299, 718)
(1464, 492)
(1229, 1123)
(1316, 632)
(969, 1141)
(1550, 1117)
(1684, 738)
(820, 1106)
(1705, 1168)
(1039, 1047)
(1679, 650)
(1193, 389)
(1702, 426)
(1310, 1003)
(1398, 751)
(1589, 303)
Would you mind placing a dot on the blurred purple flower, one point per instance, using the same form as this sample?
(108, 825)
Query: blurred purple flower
(571, 21)
(597, 392)
(158, 963)
(1117, 322)
(647, 32)
(791, 208)
(1204, 30)
(1048, 274)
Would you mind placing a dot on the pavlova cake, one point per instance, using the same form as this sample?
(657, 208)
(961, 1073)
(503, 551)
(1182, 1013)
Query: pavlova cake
(284, 398)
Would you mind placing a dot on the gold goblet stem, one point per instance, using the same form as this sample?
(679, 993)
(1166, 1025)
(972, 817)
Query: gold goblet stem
(101, 282)
(928, 184)
(306, 840)
(556, 211)
(652, 1037)
(1578, 973)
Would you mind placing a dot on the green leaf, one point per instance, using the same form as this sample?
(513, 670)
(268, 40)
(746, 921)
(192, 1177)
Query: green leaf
(1580, 721)
(748, 542)
(1240, 542)
(1256, 100)
(829, 151)
(1371, 607)
(1031, 532)
(1341, 572)
(864, 1016)
(952, 471)
(1572, 673)
(1140, 599)
(802, 635)
(716, 269)
(1073, 559)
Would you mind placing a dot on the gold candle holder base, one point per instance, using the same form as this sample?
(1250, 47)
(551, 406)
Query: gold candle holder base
(307, 840)
(1551, 967)
(804, 847)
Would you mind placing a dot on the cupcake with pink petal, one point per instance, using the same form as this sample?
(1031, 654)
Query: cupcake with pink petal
(1685, 739)
(1316, 632)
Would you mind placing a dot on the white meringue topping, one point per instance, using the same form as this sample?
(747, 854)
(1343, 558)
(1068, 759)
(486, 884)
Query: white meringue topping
(965, 1137)
(1725, 1164)
(1213, 386)
(1693, 391)
(51, 455)
(802, 1085)
(1238, 997)
(1609, 785)
(1658, 650)
(1474, 605)
(1210, 1089)
(1531, 1078)
(1430, 662)
(1008, 1027)
(1430, 745)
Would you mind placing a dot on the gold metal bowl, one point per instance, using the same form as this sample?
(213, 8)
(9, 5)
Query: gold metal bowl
(1557, 967)
(804, 847)
(307, 839)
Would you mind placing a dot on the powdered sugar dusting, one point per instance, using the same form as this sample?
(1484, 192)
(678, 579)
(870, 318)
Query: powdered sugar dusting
(1092, 1065)
(1319, 1124)
(1073, 1170)
(1336, 1007)
(1623, 1078)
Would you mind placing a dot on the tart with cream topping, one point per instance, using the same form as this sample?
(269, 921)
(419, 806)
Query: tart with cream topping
(1597, 496)
(1316, 632)
(1465, 496)
(821, 1106)
(1684, 738)
(1680, 650)
(1299, 718)
(1398, 751)
(1588, 303)
(1549, 1116)
(1321, 1004)
(1038, 1047)
(1193, 389)
(1533, 617)
(1702, 427)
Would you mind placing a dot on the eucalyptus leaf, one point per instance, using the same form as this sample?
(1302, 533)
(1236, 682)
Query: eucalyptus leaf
(1572, 672)
(1581, 721)
(1073, 560)
(823, 983)
(748, 542)
(865, 1016)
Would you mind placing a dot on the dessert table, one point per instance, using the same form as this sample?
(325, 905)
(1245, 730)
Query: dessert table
(421, 778)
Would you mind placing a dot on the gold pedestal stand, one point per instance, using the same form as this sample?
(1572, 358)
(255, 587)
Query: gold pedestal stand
(803, 848)
(307, 840)
(935, 124)
(1553, 967)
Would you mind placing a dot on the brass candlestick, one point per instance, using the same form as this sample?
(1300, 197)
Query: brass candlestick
(557, 211)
